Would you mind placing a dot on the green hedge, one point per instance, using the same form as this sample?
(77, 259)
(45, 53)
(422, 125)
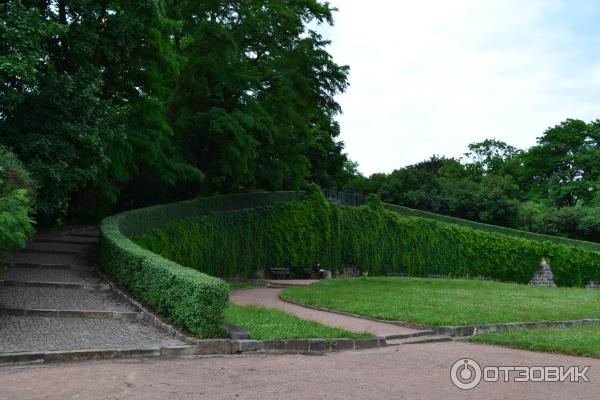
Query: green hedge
(188, 298)
(410, 212)
(297, 234)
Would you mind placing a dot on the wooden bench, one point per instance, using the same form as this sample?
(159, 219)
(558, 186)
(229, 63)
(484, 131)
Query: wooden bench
(311, 274)
(279, 273)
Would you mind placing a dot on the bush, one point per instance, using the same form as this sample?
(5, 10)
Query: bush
(298, 234)
(16, 203)
(190, 299)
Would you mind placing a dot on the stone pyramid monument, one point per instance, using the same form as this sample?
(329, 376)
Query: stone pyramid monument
(543, 276)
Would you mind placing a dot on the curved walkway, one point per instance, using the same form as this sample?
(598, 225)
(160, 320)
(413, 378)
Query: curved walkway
(269, 297)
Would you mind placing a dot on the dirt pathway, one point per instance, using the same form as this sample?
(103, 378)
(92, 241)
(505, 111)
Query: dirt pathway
(404, 372)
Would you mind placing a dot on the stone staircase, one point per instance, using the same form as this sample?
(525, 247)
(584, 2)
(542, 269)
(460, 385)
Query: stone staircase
(52, 301)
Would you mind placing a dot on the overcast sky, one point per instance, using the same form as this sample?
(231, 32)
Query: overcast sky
(429, 77)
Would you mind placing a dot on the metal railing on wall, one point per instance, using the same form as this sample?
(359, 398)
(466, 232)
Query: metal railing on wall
(345, 198)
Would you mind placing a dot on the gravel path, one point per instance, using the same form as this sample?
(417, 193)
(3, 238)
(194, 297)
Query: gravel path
(270, 298)
(405, 372)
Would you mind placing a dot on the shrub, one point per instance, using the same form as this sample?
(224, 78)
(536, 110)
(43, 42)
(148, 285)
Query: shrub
(16, 190)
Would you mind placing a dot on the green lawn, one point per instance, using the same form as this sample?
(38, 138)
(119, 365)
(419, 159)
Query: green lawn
(582, 340)
(243, 284)
(448, 301)
(264, 323)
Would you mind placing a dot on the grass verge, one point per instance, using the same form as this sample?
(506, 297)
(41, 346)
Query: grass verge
(448, 301)
(243, 284)
(267, 324)
(580, 340)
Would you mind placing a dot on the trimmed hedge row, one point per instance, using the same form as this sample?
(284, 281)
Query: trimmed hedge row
(297, 234)
(188, 298)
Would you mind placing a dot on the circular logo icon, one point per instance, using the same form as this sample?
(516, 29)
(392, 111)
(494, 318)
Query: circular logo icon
(465, 374)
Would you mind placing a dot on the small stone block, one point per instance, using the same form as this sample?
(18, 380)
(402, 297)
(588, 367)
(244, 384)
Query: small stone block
(366, 343)
(175, 351)
(318, 345)
(213, 346)
(296, 345)
(342, 344)
(243, 346)
(274, 345)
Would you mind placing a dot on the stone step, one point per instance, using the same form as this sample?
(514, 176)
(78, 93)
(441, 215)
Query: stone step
(41, 274)
(67, 285)
(66, 267)
(48, 312)
(46, 259)
(419, 340)
(43, 333)
(410, 335)
(66, 239)
(60, 299)
(61, 248)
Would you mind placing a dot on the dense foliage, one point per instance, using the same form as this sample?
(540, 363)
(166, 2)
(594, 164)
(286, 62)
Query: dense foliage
(17, 191)
(298, 234)
(124, 103)
(551, 188)
(184, 296)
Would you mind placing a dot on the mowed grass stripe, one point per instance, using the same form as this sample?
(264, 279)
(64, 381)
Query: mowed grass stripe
(269, 324)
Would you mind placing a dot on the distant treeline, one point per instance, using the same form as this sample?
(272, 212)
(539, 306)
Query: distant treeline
(551, 188)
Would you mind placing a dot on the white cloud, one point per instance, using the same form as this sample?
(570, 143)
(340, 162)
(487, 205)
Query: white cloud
(430, 77)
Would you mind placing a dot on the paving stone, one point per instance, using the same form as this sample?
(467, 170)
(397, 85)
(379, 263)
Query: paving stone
(60, 299)
(55, 333)
(319, 345)
(297, 345)
(213, 346)
(49, 275)
(274, 345)
(342, 344)
(366, 343)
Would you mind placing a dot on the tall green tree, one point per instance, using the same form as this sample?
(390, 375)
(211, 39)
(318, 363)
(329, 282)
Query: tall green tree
(255, 100)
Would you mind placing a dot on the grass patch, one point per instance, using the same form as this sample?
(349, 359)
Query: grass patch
(448, 301)
(243, 284)
(580, 340)
(265, 323)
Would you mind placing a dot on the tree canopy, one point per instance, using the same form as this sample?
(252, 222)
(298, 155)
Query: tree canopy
(121, 103)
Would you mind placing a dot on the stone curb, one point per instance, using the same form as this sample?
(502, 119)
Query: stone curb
(135, 316)
(465, 330)
(85, 286)
(203, 348)
(471, 330)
